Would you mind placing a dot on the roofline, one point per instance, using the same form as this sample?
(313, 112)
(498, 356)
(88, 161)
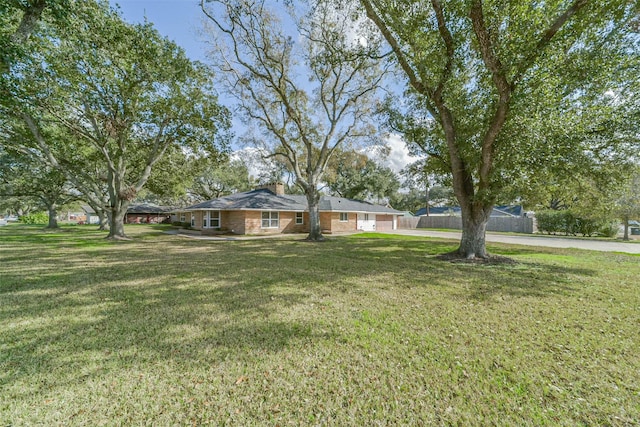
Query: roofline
(289, 210)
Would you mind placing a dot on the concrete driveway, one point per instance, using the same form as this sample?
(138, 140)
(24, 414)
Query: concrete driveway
(530, 240)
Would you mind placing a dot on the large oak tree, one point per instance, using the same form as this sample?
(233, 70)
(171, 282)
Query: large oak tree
(489, 74)
(299, 78)
(124, 95)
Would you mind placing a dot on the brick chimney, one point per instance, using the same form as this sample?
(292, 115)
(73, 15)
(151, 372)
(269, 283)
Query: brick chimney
(275, 187)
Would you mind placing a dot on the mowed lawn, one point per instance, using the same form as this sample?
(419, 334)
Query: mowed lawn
(355, 331)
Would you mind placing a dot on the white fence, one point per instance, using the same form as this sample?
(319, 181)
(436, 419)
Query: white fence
(504, 224)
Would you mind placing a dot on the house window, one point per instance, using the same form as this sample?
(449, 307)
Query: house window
(299, 218)
(270, 219)
(344, 217)
(212, 219)
(193, 219)
(183, 217)
(366, 217)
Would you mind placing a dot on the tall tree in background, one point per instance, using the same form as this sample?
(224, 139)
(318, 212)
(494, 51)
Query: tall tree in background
(355, 176)
(125, 95)
(308, 88)
(26, 27)
(220, 179)
(489, 73)
(54, 146)
(627, 205)
(22, 176)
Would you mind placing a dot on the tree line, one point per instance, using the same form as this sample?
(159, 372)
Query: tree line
(501, 101)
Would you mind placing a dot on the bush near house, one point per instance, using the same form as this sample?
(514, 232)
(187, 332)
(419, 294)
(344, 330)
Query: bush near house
(568, 222)
(35, 218)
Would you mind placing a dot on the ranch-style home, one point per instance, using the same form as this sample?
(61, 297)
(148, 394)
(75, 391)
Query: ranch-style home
(268, 210)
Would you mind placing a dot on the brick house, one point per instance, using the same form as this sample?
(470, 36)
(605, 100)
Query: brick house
(268, 210)
(146, 213)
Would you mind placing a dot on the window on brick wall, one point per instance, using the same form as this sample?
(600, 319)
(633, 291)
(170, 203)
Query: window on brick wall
(299, 218)
(270, 219)
(183, 217)
(344, 216)
(211, 219)
(215, 219)
(193, 219)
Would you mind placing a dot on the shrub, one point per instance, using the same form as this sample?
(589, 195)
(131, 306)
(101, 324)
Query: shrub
(609, 229)
(568, 222)
(587, 226)
(551, 222)
(35, 218)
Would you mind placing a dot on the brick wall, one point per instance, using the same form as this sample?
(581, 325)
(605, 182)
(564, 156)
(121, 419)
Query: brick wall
(198, 216)
(287, 223)
(234, 221)
(330, 222)
(250, 222)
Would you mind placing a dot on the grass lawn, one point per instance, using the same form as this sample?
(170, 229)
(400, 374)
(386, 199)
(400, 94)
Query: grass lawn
(357, 330)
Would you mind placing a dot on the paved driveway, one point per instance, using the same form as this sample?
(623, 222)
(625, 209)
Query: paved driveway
(529, 240)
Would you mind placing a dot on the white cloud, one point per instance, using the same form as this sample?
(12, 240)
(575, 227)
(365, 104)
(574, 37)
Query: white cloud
(398, 157)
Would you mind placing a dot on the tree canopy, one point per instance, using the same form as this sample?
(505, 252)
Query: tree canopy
(498, 90)
(298, 78)
(354, 175)
(116, 95)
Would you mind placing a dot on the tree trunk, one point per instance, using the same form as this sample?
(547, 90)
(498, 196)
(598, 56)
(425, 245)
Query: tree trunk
(315, 231)
(474, 225)
(53, 216)
(117, 214)
(103, 220)
(626, 229)
(427, 204)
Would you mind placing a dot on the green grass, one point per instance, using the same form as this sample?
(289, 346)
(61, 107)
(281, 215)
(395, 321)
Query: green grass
(163, 330)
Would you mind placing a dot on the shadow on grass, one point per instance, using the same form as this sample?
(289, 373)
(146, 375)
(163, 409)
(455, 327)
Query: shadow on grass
(71, 294)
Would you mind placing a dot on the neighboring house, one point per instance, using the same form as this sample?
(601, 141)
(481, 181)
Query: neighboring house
(76, 217)
(146, 213)
(268, 210)
(91, 215)
(498, 211)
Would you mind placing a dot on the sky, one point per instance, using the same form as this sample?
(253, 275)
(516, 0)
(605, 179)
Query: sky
(182, 21)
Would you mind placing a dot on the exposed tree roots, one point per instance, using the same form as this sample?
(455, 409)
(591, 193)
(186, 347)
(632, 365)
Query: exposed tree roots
(314, 240)
(118, 238)
(456, 257)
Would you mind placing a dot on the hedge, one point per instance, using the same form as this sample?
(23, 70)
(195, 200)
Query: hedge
(568, 223)
(35, 218)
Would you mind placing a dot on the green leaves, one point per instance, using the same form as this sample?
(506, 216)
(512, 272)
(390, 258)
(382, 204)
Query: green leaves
(102, 101)
(353, 175)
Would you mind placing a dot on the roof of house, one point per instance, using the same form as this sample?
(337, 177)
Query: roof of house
(147, 208)
(439, 210)
(88, 210)
(498, 211)
(263, 199)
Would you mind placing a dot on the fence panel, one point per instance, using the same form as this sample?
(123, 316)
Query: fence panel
(408, 222)
(503, 224)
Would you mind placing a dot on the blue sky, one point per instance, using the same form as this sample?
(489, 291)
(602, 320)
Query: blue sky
(180, 20)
